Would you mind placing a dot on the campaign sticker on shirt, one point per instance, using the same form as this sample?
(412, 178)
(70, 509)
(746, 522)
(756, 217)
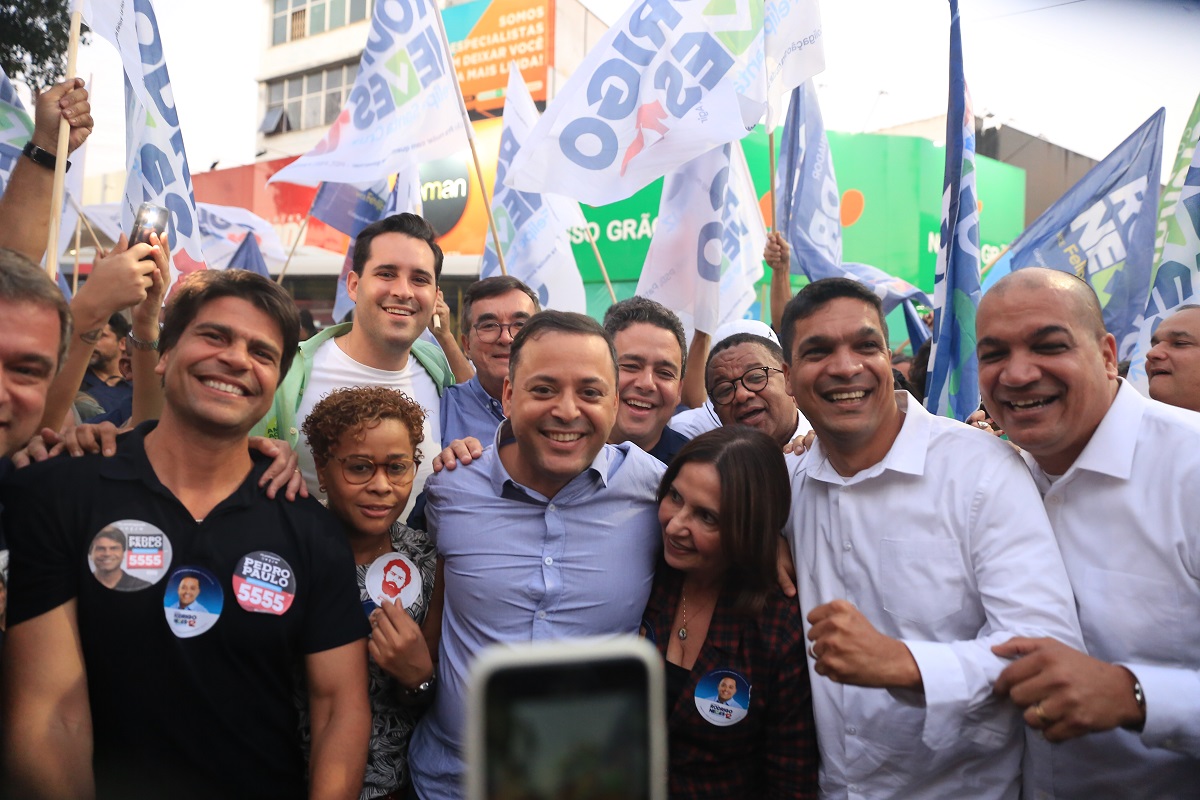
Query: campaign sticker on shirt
(129, 555)
(193, 601)
(264, 583)
(723, 697)
(394, 578)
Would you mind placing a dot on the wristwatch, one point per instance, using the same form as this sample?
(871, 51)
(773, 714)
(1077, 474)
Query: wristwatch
(43, 158)
(140, 344)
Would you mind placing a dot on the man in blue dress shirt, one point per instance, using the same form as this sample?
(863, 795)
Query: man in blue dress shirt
(550, 534)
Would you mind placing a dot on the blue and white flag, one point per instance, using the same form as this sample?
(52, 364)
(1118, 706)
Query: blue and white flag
(404, 109)
(667, 83)
(16, 127)
(685, 260)
(807, 201)
(706, 253)
(249, 257)
(1102, 230)
(1177, 279)
(405, 195)
(155, 158)
(890, 290)
(918, 331)
(347, 208)
(952, 388)
(533, 228)
(224, 227)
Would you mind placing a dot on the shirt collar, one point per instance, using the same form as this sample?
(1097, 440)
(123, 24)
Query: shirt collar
(486, 400)
(1110, 450)
(906, 455)
(500, 479)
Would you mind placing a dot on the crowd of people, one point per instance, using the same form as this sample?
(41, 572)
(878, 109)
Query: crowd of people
(897, 605)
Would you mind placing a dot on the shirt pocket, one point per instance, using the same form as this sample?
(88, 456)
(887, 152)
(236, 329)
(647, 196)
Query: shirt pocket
(1127, 617)
(923, 581)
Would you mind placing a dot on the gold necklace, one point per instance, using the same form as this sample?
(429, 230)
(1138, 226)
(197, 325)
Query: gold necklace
(682, 634)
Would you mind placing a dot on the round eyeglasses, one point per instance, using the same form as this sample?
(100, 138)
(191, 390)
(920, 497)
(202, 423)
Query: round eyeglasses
(489, 332)
(358, 470)
(754, 379)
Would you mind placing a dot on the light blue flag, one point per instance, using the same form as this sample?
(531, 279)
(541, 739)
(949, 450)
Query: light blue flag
(890, 290)
(15, 129)
(533, 228)
(347, 208)
(918, 331)
(807, 201)
(1103, 230)
(249, 257)
(952, 387)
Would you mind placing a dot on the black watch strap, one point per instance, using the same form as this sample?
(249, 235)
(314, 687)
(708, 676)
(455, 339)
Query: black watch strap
(43, 158)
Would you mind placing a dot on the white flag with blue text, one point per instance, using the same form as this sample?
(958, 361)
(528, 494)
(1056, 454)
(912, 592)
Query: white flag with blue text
(533, 228)
(155, 158)
(667, 83)
(742, 241)
(403, 110)
(224, 228)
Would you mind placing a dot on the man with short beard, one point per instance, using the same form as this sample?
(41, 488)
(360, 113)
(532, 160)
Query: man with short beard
(745, 381)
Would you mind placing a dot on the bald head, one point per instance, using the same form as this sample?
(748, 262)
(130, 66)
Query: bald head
(1047, 368)
(1073, 293)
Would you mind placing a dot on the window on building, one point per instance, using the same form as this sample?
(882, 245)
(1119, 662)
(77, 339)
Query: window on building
(296, 19)
(311, 100)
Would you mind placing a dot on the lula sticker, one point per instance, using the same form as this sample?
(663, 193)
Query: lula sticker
(129, 555)
(394, 578)
(723, 697)
(193, 601)
(264, 583)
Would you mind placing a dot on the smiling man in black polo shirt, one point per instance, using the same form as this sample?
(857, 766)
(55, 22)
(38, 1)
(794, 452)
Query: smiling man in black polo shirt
(97, 679)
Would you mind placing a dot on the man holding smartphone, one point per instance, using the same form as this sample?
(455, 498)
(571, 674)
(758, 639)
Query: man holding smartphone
(551, 533)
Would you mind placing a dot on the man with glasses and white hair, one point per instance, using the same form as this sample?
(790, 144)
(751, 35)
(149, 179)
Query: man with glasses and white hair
(493, 311)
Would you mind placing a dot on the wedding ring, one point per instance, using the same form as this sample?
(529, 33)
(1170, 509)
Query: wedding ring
(1041, 715)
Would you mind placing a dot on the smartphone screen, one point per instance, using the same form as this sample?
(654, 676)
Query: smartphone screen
(569, 730)
(148, 219)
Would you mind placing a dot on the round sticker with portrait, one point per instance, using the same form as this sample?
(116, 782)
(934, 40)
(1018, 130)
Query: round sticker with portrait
(129, 555)
(264, 583)
(394, 578)
(192, 601)
(723, 697)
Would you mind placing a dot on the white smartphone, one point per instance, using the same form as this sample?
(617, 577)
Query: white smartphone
(582, 719)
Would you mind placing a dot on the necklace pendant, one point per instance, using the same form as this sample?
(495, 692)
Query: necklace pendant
(682, 634)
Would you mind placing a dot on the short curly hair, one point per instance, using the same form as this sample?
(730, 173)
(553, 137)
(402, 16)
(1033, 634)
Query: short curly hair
(356, 409)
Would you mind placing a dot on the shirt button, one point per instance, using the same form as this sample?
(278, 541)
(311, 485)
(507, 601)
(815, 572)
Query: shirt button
(850, 729)
(847, 546)
(291, 431)
(541, 615)
(549, 561)
(550, 507)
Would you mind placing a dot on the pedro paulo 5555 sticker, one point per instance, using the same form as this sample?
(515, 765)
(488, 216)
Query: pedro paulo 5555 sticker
(129, 555)
(264, 583)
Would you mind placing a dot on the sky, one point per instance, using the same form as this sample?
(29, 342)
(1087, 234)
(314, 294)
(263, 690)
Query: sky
(1083, 74)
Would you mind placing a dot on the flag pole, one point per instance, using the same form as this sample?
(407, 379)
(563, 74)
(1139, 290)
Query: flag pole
(462, 107)
(84, 220)
(60, 165)
(587, 227)
(78, 236)
(295, 244)
(771, 191)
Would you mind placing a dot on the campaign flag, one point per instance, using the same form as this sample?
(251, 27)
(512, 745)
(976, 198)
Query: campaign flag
(405, 195)
(918, 331)
(533, 228)
(16, 127)
(1176, 181)
(249, 257)
(404, 109)
(953, 383)
(670, 81)
(890, 290)
(155, 159)
(348, 208)
(222, 229)
(1177, 279)
(807, 201)
(795, 50)
(743, 238)
(1102, 230)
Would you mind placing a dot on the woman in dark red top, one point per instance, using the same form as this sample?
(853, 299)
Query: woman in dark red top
(739, 705)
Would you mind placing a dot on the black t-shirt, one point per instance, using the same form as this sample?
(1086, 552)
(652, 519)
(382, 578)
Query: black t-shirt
(192, 656)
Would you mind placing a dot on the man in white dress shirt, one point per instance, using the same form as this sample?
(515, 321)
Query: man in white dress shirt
(1119, 474)
(919, 543)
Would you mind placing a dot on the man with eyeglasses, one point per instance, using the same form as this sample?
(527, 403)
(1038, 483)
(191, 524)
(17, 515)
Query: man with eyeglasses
(393, 282)
(493, 312)
(745, 382)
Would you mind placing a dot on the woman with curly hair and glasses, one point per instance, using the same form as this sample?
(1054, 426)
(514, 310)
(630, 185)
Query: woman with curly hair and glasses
(365, 442)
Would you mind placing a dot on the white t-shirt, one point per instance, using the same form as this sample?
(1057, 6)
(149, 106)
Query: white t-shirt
(333, 369)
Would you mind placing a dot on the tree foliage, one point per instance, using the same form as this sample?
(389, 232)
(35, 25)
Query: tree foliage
(33, 40)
